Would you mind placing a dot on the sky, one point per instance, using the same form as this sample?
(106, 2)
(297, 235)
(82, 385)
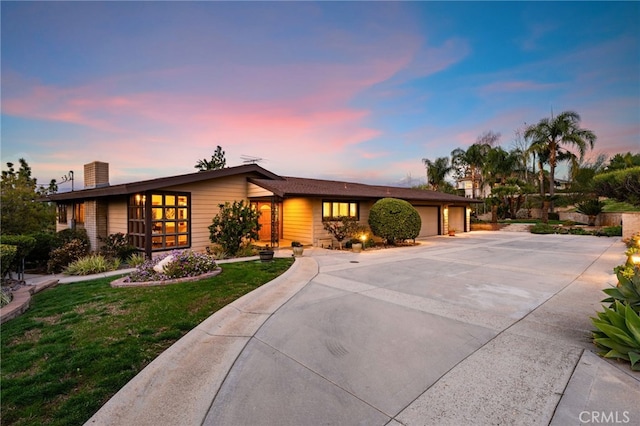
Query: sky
(355, 91)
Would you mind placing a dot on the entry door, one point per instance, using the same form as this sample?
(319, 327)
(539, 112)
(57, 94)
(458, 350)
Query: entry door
(265, 222)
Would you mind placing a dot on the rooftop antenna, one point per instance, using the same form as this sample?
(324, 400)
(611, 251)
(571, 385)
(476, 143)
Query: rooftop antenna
(68, 178)
(250, 159)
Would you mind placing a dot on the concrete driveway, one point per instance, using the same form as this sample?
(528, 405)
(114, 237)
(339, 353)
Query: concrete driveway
(481, 328)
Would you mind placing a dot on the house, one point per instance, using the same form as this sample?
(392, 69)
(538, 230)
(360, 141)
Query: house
(175, 212)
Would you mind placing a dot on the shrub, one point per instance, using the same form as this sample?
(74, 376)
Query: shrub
(5, 297)
(394, 219)
(67, 235)
(234, 226)
(622, 185)
(542, 228)
(627, 291)
(116, 246)
(7, 256)
(136, 259)
(24, 244)
(45, 242)
(63, 256)
(618, 333)
(185, 263)
(93, 264)
(609, 231)
(341, 227)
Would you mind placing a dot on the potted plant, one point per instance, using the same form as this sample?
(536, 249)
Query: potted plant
(452, 232)
(297, 248)
(356, 246)
(266, 254)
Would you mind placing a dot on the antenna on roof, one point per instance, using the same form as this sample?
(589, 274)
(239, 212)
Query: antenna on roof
(249, 159)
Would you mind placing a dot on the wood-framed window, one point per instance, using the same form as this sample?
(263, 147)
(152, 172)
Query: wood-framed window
(335, 209)
(160, 220)
(78, 212)
(62, 213)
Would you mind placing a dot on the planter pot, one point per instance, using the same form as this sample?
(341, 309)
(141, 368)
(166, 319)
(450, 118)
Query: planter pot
(452, 233)
(297, 251)
(266, 256)
(356, 247)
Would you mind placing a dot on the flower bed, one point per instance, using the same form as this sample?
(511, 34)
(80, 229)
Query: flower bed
(175, 267)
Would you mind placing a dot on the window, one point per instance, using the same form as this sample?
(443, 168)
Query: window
(62, 213)
(334, 209)
(165, 221)
(79, 213)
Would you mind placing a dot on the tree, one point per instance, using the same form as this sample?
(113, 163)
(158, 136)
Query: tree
(437, 171)
(623, 161)
(469, 163)
(218, 161)
(394, 220)
(234, 226)
(21, 211)
(554, 134)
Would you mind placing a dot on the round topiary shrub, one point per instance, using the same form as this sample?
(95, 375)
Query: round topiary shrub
(394, 220)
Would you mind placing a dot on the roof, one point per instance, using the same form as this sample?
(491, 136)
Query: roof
(159, 183)
(294, 186)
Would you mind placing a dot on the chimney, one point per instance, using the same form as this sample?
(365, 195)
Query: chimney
(96, 175)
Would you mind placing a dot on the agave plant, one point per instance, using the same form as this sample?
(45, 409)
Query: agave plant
(618, 334)
(627, 291)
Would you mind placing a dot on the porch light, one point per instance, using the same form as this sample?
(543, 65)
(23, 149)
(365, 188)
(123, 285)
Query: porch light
(363, 238)
(635, 258)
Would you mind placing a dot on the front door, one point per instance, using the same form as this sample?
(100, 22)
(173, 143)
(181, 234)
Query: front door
(265, 222)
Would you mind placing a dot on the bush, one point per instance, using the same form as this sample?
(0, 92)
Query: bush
(116, 246)
(24, 244)
(609, 231)
(234, 226)
(136, 259)
(45, 242)
(542, 228)
(7, 257)
(93, 264)
(394, 219)
(618, 333)
(622, 185)
(67, 235)
(61, 257)
(185, 263)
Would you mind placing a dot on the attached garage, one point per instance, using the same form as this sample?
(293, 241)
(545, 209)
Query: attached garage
(430, 217)
(457, 219)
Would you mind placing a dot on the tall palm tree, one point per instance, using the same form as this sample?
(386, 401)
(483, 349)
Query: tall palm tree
(470, 162)
(437, 171)
(554, 135)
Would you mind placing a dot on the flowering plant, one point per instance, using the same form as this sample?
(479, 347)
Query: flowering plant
(183, 263)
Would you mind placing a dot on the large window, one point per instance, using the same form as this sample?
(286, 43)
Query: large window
(167, 217)
(62, 213)
(79, 213)
(334, 209)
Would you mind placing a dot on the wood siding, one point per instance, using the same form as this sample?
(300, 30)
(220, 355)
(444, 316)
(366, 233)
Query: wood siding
(117, 216)
(206, 198)
(297, 220)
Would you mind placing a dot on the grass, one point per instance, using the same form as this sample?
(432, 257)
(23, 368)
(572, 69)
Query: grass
(80, 343)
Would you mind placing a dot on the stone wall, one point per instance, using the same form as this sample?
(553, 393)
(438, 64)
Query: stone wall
(603, 219)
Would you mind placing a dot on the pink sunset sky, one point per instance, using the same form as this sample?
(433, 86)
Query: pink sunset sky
(350, 91)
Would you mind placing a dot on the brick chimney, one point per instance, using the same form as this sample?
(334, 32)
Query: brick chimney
(96, 175)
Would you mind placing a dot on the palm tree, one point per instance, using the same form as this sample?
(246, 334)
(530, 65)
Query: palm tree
(218, 161)
(551, 136)
(470, 162)
(437, 171)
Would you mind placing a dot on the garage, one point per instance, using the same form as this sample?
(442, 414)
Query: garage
(456, 218)
(430, 220)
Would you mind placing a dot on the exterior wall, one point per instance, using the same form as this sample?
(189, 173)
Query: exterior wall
(206, 198)
(95, 221)
(630, 225)
(297, 220)
(320, 235)
(117, 216)
(96, 174)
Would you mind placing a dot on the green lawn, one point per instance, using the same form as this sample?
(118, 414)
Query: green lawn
(80, 343)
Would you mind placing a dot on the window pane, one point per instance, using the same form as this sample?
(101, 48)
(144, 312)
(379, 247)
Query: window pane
(169, 213)
(169, 200)
(182, 227)
(156, 213)
(170, 227)
(156, 242)
(156, 200)
(182, 200)
(343, 209)
(183, 240)
(157, 228)
(182, 213)
(170, 241)
(353, 210)
(326, 209)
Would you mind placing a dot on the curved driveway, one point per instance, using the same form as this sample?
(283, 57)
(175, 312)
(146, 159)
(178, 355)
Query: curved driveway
(482, 328)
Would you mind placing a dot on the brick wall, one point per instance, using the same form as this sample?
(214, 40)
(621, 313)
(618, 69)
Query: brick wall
(96, 174)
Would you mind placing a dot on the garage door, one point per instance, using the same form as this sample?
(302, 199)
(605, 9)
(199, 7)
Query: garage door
(429, 217)
(456, 218)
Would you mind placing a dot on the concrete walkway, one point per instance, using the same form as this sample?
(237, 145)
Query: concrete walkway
(481, 328)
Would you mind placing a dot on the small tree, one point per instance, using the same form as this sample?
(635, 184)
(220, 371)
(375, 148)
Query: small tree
(234, 226)
(341, 227)
(394, 219)
(218, 161)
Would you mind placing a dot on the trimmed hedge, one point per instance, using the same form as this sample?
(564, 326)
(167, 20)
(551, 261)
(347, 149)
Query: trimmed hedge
(394, 219)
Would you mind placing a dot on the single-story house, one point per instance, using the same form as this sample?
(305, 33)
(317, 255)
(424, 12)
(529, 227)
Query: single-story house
(175, 212)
